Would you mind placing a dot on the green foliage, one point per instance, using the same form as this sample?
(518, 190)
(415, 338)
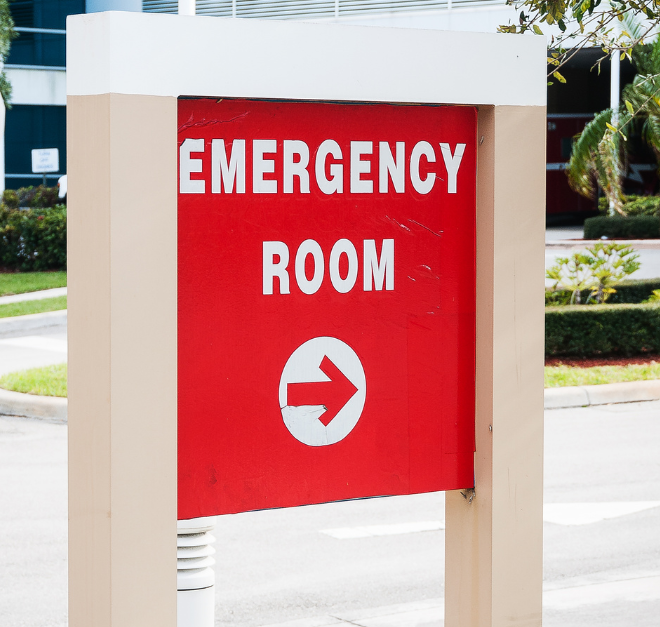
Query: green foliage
(635, 205)
(586, 23)
(23, 282)
(596, 160)
(602, 330)
(33, 239)
(627, 292)
(600, 152)
(630, 227)
(47, 381)
(39, 197)
(634, 291)
(597, 270)
(10, 199)
(654, 298)
(7, 34)
(25, 307)
(560, 376)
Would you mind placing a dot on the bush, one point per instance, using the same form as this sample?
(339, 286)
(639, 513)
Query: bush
(631, 227)
(631, 291)
(602, 330)
(635, 205)
(634, 291)
(33, 239)
(32, 197)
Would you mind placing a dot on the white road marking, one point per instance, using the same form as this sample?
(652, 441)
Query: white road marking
(557, 513)
(37, 342)
(646, 588)
(588, 513)
(345, 533)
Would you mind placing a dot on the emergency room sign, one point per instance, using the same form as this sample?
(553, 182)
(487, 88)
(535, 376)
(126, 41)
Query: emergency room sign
(326, 302)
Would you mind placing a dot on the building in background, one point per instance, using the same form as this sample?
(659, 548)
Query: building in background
(36, 69)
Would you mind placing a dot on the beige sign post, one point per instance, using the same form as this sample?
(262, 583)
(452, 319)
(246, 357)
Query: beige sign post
(125, 72)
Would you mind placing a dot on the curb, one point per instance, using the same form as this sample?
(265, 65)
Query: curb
(32, 406)
(573, 244)
(586, 395)
(32, 322)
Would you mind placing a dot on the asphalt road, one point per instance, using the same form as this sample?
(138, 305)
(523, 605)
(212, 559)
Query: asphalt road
(602, 548)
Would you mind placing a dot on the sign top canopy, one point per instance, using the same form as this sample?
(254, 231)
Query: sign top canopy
(299, 60)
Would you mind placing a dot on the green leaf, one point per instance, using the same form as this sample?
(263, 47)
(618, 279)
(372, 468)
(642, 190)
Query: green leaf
(630, 108)
(537, 30)
(559, 77)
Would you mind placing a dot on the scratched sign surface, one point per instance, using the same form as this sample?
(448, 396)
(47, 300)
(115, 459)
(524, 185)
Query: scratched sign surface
(326, 302)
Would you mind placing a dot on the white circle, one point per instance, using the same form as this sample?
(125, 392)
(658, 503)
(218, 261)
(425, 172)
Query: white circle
(303, 422)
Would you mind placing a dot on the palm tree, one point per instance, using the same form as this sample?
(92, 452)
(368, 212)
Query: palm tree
(599, 154)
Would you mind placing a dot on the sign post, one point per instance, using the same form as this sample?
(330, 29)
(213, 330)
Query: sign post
(293, 271)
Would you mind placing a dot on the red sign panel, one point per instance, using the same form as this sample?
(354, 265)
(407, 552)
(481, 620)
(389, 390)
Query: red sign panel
(326, 302)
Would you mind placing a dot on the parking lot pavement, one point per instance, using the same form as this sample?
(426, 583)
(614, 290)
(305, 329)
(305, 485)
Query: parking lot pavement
(375, 562)
(33, 351)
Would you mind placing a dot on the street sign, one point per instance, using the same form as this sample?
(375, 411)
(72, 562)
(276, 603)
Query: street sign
(45, 160)
(326, 302)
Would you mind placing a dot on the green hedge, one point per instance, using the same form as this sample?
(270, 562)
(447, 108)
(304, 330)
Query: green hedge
(586, 331)
(631, 291)
(33, 239)
(631, 227)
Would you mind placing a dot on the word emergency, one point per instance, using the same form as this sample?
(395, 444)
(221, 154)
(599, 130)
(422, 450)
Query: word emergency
(228, 166)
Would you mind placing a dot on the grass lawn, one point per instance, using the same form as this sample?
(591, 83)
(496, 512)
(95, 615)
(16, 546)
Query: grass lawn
(560, 376)
(48, 381)
(22, 282)
(32, 306)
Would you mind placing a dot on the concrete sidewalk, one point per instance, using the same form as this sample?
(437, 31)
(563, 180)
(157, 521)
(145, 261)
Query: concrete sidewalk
(40, 295)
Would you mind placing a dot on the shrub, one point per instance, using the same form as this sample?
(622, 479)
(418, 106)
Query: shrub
(39, 197)
(602, 330)
(33, 239)
(10, 198)
(635, 205)
(631, 227)
(631, 291)
(598, 270)
(634, 291)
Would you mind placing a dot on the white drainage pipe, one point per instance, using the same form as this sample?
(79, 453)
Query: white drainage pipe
(195, 577)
